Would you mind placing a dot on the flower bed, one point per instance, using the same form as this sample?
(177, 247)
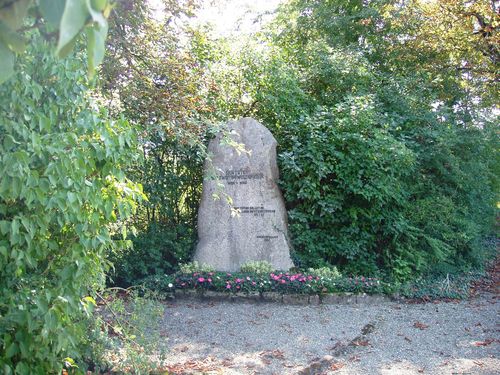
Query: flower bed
(283, 283)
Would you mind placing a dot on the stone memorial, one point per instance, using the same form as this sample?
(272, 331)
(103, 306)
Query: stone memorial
(254, 226)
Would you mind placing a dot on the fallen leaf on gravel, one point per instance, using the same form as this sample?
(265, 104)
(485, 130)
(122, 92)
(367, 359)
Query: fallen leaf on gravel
(276, 353)
(189, 367)
(479, 363)
(407, 339)
(361, 343)
(420, 325)
(336, 366)
(354, 358)
(337, 345)
(484, 343)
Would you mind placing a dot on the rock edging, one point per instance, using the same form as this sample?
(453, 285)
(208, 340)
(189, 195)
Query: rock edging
(288, 299)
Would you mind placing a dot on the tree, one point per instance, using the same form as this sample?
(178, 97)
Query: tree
(65, 18)
(376, 81)
(152, 78)
(63, 191)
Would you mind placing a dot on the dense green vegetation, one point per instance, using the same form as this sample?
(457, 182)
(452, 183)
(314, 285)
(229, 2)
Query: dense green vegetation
(386, 116)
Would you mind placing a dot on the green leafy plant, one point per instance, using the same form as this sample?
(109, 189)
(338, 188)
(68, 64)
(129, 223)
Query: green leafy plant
(193, 267)
(131, 322)
(63, 196)
(257, 267)
(155, 251)
(325, 272)
(68, 17)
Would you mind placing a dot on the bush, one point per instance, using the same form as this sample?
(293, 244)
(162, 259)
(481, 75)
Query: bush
(155, 251)
(325, 272)
(194, 267)
(257, 267)
(343, 180)
(132, 323)
(63, 195)
(125, 334)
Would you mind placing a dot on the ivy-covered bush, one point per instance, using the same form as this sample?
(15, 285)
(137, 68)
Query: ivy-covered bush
(63, 195)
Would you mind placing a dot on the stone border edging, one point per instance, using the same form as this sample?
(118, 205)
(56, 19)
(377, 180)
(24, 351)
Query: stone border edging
(288, 299)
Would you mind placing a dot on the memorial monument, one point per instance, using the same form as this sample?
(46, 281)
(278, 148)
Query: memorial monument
(254, 226)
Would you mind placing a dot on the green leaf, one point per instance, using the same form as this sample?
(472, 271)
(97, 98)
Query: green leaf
(72, 197)
(52, 10)
(65, 51)
(90, 300)
(97, 16)
(11, 350)
(96, 46)
(74, 17)
(6, 63)
(99, 5)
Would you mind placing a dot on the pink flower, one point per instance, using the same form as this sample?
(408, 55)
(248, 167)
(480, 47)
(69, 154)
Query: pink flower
(210, 274)
(228, 286)
(183, 284)
(201, 279)
(195, 274)
(283, 281)
(238, 281)
(237, 287)
(209, 280)
(253, 283)
(309, 277)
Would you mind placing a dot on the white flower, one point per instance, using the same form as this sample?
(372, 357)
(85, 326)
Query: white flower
(170, 285)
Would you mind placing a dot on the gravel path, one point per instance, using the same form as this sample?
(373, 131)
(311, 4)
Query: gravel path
(388, 338)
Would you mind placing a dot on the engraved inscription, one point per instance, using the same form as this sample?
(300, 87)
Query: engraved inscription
(258, 211)
(240, 176)
(267, 238)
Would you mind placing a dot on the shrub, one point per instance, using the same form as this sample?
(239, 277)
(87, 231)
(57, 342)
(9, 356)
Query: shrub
(194, 267)
(63, 195)
(257, 267)
(126, 334)
(155, 251)
(343, 179)
(325, 272)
